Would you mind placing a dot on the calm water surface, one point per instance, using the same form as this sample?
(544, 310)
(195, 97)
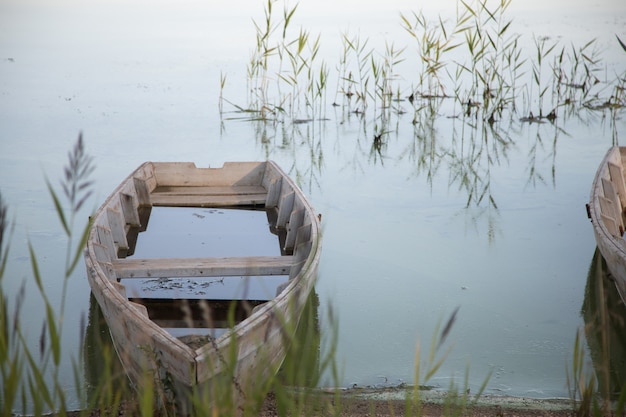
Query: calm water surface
(402, 246)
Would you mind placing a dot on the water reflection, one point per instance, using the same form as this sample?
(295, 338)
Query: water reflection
(103, 369)
(605, 328)
(303, 362)
(466, 147)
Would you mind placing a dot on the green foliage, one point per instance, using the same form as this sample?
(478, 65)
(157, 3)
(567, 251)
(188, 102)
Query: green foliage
(471, 69)
(25, 376)
(284, 76)
(475, 60)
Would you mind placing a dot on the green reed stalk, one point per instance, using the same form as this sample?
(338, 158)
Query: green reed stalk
(543, 51)
(455, 404)
(360, 71)
(25, 376)
(11, 358)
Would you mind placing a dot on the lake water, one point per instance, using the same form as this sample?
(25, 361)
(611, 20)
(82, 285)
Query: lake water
(406, 237)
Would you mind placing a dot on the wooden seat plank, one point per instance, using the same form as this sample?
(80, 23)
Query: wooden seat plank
(209, 190)
(208, 200)
(240, 173)
(202, 267)
(208, 196)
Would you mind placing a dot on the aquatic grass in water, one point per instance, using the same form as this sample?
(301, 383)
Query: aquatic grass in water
(469, 69)
(475, 61)
(284, 77)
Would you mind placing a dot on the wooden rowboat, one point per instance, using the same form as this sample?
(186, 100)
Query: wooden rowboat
(260, 339)
(607, 211)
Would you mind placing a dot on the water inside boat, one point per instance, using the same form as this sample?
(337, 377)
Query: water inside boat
(190, 306)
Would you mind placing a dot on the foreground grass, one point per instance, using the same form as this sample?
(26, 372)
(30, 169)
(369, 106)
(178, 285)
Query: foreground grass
(289, 81)
(31, 383)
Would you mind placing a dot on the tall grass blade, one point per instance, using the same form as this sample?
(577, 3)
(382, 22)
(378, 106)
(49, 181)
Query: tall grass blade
(621, 43)
(448, 327)
(59, 209)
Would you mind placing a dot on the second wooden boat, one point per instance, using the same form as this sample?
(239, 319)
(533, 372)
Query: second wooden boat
(607, 211)
(250, 351)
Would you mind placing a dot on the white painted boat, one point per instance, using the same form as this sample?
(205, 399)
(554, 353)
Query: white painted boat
(251, 350)
(607, 213)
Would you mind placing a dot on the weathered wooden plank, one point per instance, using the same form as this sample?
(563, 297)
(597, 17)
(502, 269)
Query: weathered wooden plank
(208, 196)
(209, 190)
(270, 175)
(273, 192)
(119, 288)
(196, 313)
(101, 253)
(617, 178)
(117, 226)
(129, 210)
(202, 267)
(103, 259)
(145, 174)
(609, 193)
(142, 191)
(304, 233)
(144, 205)
(135, 215)
(302, 251)
(208, 201)
(141, 309)
(284, 209)
(300, 256)
(607, 207)
(295, 221)
(141, 345)
(186, 173)
(610, 224)
(105, 238)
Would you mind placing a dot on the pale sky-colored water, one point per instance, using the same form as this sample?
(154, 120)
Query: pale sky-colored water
(141, 80)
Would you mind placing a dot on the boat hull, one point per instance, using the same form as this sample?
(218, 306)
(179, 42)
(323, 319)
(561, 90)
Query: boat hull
(232, 365)
(607, 213)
